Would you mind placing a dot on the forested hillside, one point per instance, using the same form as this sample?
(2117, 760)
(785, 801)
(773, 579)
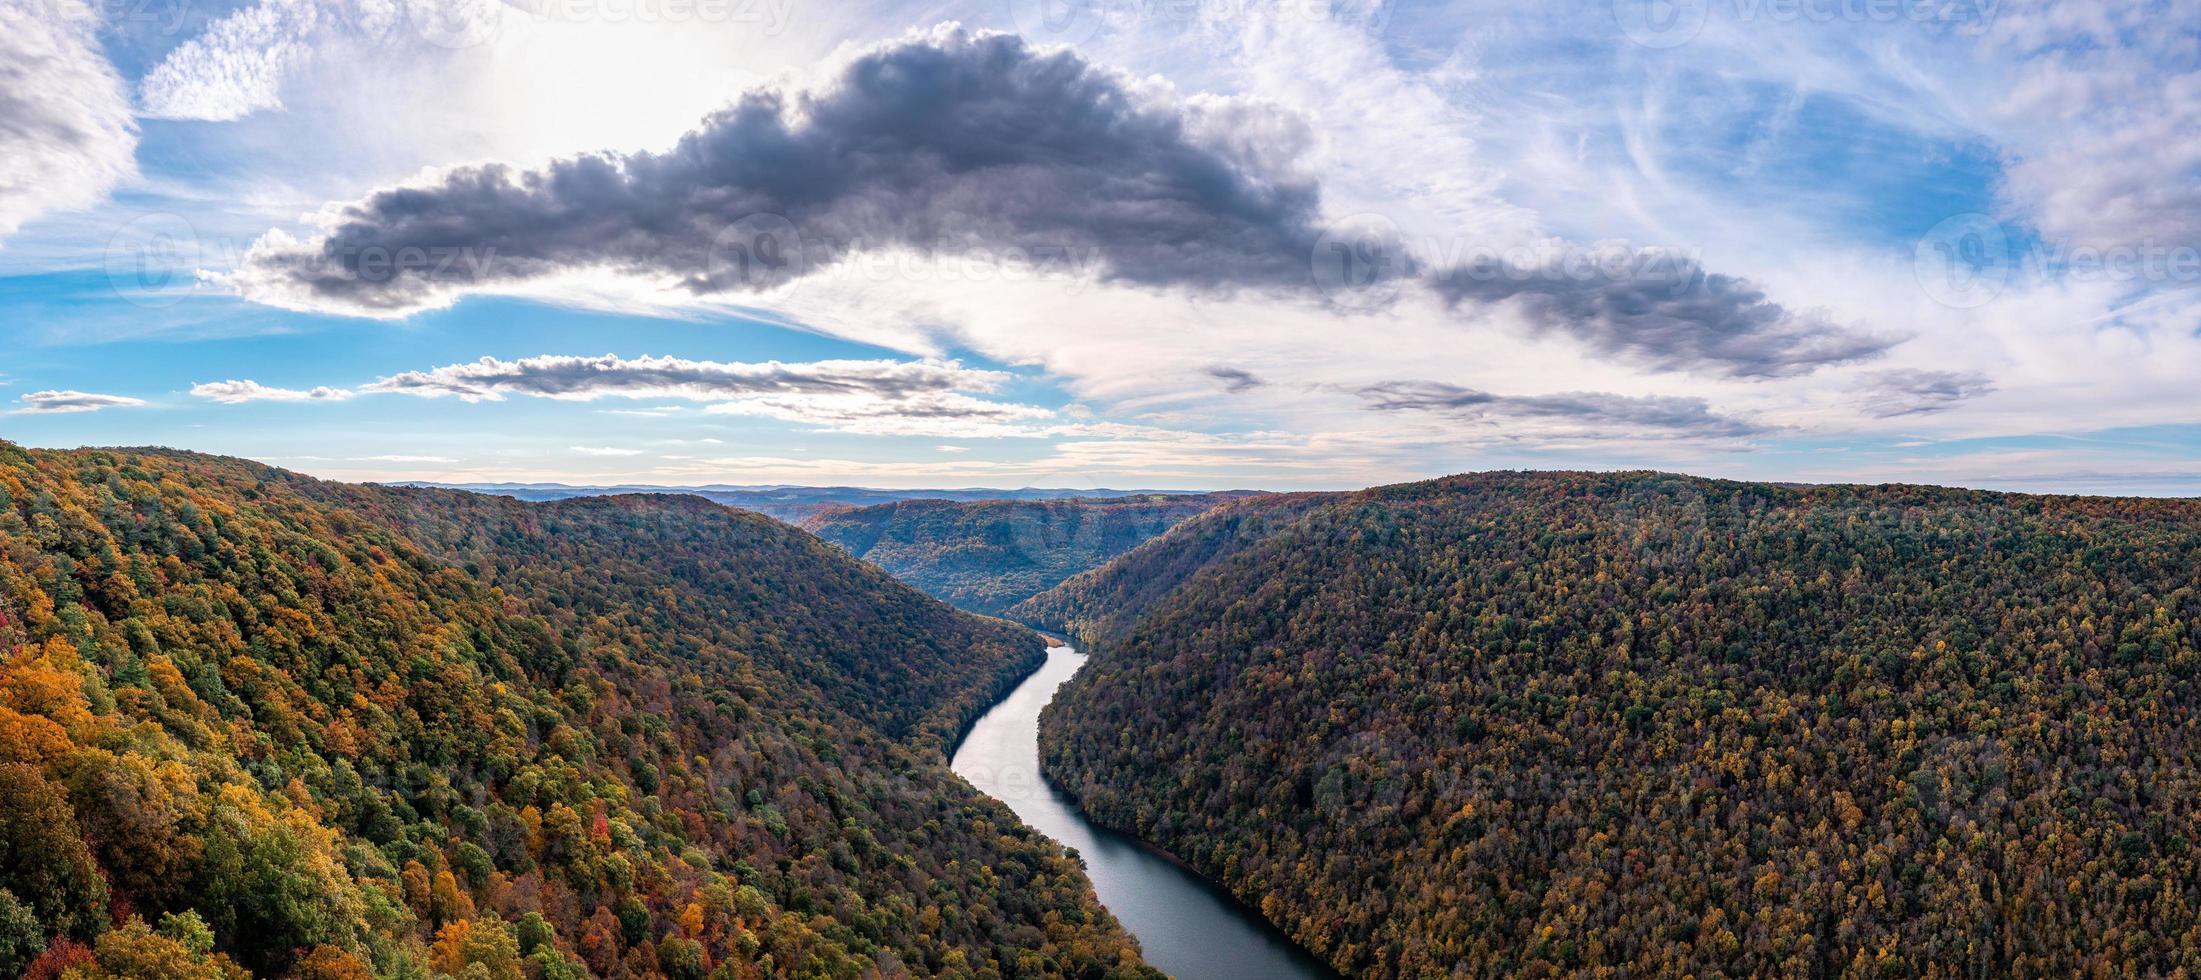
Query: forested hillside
(990, 555)
(254, 722)
(1544, 724)
(1107, 599)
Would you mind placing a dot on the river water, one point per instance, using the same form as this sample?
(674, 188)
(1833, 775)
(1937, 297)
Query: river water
(1187, 926)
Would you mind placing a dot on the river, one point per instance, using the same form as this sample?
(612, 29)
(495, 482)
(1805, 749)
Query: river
(1188, 926)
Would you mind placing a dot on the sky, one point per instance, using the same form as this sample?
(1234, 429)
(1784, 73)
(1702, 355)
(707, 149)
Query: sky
(1196, 244)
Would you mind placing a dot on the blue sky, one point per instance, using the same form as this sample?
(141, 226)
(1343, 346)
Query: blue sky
(1949, 242)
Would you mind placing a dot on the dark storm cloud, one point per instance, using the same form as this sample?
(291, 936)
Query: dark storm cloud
(1616, 414)
(1665, 310)
(947, 141)
(955, 143)
(1912, 392)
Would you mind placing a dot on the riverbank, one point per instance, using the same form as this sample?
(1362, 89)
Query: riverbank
(1186, 925)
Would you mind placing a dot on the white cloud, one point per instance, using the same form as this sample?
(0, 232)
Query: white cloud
(605, 451)
(871, 397)
(400, 458)
(610, 376)
(949, 414)
(66, 402)
(237, 65)
(66, 134)
(2101, 119)
(235, 392)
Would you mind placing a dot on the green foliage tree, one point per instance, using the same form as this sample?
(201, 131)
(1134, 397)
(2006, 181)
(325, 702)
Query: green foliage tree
(22, 938)
(43, 860)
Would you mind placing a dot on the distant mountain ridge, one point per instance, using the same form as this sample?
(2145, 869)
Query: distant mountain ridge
(986, 556)
(793, 503)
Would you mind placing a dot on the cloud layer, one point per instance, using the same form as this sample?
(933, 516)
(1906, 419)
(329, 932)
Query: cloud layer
(68, 402)
(872, 397)
(956, 143)
(1594, 413)
(946, 141)
(587, 378)
(234, 392)
(66, 134)
(1889, 394)
(236, 66)
(1665, 310)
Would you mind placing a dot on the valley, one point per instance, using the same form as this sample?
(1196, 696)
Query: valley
(1497, 724)
(986, 556)
(1187, 926)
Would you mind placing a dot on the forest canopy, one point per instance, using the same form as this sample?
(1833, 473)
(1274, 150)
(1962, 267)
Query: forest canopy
(1638, 724)
(256, 723)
